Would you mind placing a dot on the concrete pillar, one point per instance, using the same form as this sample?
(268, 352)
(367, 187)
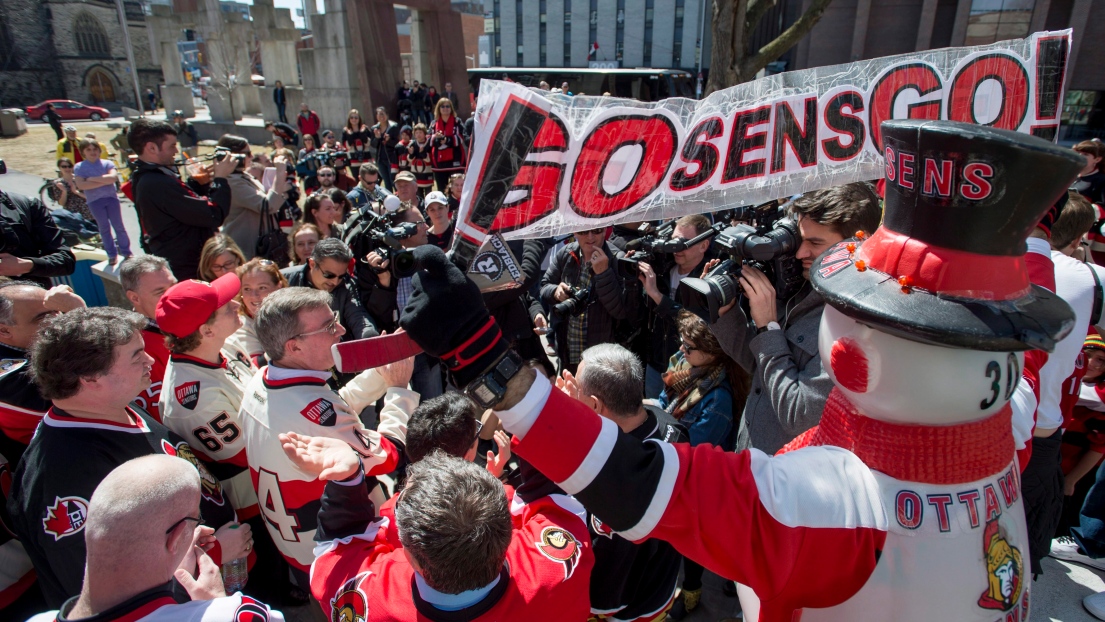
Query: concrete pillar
(374, 57)
(421, 43)
(447, 57)
(924, 27)
(1079, 15)
(859, 29)
(1039, 15)
(959, 30)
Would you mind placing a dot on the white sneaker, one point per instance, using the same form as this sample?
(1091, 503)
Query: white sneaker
(1066, 548)
(1095, 604)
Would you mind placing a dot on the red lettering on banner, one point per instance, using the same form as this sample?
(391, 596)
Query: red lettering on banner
(1010, 490)
(888, 157)
(970, 500)
(802, 141)
(905, 170)
(938, 182)
(993, 508)
(941, 503)
(976, 185)
(908, 509)
(698, 150)
(742, 141)
(539, 181)
(914, 76)
(655, 134)
(846, 123)
(1008, 72)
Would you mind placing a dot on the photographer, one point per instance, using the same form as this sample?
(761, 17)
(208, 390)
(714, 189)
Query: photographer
(368, 190)
(661, 331)
(176, 221)
(586, 294)
(248, 196)
(776, 341)
(385, 136)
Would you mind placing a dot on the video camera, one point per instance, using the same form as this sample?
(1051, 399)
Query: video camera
(769, 245)
(310, 163)
(656, 246)
(371, 232)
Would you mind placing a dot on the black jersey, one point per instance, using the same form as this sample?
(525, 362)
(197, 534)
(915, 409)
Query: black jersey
(21, 405)
(66, 460)
(630, 580)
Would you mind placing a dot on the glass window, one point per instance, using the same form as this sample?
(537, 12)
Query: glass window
(997, 20)
(91, 37)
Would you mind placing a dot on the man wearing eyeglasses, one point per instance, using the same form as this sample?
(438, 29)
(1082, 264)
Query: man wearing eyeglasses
(327, 269)
(91, 363)
(143, 530)
(586, 295)
(297, 328)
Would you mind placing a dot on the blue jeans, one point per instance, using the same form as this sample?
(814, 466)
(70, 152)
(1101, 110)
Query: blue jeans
(280, 108)
(1090, 533)
(108, 214)
(426, 379)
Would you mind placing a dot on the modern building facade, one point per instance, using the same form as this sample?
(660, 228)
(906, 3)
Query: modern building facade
(574, 33)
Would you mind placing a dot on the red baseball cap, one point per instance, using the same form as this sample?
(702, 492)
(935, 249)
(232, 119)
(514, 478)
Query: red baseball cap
(189, 304)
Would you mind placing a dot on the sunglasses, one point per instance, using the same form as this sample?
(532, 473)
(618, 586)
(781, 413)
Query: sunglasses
(330, 328)
(66, 166)
(686, 346)
(325, 174)
(594, 231)
(371, 183)
(179, 522)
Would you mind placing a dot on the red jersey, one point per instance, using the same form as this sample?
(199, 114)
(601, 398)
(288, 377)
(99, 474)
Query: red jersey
(155, 347)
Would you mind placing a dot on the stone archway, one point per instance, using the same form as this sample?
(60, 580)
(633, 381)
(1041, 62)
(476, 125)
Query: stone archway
(101, 87)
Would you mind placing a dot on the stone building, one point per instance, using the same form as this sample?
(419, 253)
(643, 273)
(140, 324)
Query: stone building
(72, 49)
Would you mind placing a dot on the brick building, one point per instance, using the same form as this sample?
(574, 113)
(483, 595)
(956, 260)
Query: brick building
(72, 49)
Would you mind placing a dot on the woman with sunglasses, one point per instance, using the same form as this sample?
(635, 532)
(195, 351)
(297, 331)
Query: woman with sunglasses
(219, 256)
(321, 211)
(248, 196)
(259, 278)
(448, 144)
(703, 388)
(65, 191)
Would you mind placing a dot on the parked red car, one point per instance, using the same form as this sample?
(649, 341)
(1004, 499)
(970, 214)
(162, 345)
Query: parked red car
(68, 110)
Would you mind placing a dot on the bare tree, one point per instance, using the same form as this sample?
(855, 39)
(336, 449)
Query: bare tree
(228, 59)
(731, 62)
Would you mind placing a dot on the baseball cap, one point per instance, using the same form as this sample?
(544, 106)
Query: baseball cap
(436, 197)
(405, 176)
(70, 128)
(189, 304)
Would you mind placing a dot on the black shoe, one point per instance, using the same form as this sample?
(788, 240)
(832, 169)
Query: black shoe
(685, 604)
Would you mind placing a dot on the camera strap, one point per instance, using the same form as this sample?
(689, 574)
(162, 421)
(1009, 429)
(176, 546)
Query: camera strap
(1098, 298)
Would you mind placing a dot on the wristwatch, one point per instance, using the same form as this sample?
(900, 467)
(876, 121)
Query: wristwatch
(490, 388)
(767, 327)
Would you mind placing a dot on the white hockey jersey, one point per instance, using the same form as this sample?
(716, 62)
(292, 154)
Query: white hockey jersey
(294, 400)
(200, 402)
(158, 605)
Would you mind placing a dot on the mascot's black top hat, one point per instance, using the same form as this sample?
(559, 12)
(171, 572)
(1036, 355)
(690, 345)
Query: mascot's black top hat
(947, 265)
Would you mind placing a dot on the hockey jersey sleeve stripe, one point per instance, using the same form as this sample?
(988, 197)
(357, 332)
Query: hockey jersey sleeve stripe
(660, 499)
(596, 457)
(19, 423)
(519, 419)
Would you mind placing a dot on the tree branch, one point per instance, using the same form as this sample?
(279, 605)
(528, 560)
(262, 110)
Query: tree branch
(756, 10)
(772, 51)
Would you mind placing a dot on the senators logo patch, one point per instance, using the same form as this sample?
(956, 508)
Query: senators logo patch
(561, 547)
(600, 527)
(1004, 570)
(251, 611)
(350, 604)
(209, 486)
(188, 394)
(321, 412)
(66, 517)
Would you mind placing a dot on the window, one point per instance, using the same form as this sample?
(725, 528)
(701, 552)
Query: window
(91, 38)
(649, 11)
(998, 20)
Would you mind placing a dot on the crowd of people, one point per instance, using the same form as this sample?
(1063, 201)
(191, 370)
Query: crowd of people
(391, 493)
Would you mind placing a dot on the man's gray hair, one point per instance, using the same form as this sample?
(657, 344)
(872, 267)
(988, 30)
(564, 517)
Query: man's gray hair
(132, 270)
(454, 520)
(7, 305)
(615, 375)
(278, 318)
(331, 248)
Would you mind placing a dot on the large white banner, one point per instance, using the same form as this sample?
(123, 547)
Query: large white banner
(547, 164)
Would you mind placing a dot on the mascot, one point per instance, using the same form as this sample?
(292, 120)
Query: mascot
(904, 503)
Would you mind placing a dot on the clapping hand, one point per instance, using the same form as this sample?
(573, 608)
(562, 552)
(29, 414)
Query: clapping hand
(320, 456)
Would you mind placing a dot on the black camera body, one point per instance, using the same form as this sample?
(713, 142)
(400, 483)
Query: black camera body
(769, 245)
(222, 153)
(575, 304)
(370, 232)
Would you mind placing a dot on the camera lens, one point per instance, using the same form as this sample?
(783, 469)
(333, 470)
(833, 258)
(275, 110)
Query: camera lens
(704, 297)
(404, 264)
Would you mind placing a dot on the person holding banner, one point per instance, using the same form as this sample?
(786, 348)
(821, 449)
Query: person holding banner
(776, 341)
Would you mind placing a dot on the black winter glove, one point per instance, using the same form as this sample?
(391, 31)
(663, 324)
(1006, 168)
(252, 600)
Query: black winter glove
(446, 317)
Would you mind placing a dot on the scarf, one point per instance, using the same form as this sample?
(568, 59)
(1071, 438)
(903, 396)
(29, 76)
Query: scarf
(444, 155)
(687, 385)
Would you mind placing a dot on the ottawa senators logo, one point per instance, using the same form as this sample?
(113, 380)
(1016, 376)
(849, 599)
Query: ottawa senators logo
(1004, 570)
(600, 527)
(188, 394)
(561, 547)
(321, 412)
(209, 486)
(251, 611)
(66, 517)
(349, 603)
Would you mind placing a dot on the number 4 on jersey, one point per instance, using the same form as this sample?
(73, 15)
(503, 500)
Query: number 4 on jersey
(272, 506)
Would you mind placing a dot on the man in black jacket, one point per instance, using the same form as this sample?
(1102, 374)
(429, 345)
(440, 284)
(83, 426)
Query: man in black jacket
(176, 221)
(660, 331)
(586, 294)
(52, 117)
(31, 246)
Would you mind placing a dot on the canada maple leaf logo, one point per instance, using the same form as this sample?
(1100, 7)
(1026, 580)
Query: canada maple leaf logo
(65, 517)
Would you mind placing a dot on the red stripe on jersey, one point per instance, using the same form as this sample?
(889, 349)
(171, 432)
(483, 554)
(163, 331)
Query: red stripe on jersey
(59, 418)
(15, 590)
(186, 358)
(290, 382)
(145, 610)
(390, 463)
(17, 423)
(559, 461)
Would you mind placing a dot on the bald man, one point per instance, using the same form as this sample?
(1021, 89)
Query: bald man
(142, 531)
